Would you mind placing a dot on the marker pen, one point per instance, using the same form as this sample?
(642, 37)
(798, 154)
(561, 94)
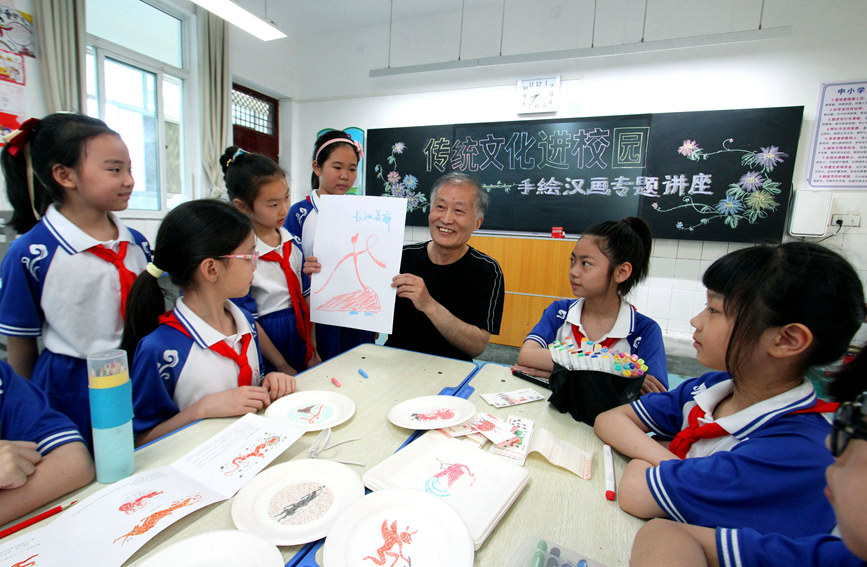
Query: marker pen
(608, 458)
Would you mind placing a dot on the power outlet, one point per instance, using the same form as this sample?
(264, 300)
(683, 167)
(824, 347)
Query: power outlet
(846, 220)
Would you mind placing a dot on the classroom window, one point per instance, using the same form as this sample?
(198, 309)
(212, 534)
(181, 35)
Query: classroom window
(254, 122)
(137, 83)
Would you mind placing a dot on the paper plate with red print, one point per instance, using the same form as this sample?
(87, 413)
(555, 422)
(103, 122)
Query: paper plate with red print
(431, 412)
(399, 527)
(312, 410)
(221, 548)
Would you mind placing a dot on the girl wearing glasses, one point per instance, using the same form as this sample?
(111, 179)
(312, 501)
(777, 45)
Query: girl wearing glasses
(662, 542)
(745, 446)
(201, 359)
(258, 188)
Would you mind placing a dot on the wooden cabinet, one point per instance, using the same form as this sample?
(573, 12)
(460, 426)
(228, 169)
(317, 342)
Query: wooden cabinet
(536, 272)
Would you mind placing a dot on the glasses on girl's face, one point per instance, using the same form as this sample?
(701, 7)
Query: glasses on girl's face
(254, 257)
(849, 424)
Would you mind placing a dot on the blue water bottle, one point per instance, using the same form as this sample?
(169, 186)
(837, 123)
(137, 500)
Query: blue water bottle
(111, 415)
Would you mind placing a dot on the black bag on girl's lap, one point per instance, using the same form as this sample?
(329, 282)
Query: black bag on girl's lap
(587, 393)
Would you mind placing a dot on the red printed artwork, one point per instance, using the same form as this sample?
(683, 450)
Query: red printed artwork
(391, 538)
(442, 413)
(150, 522)
(133, 505)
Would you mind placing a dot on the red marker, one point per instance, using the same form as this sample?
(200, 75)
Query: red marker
(608, 459)
(335, 382)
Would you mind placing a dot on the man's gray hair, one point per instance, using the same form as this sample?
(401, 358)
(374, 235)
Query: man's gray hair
(455, 178)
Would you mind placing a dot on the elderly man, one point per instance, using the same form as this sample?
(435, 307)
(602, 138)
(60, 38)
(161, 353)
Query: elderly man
(449, 295)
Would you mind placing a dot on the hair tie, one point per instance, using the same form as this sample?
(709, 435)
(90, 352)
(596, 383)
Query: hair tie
(356, 145)
(153, 270)
(238, 152)
(17, 140)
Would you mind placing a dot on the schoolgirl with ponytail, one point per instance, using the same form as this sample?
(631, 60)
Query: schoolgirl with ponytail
(257, 187)
(202, 359)
(67, 277)
(606, 263)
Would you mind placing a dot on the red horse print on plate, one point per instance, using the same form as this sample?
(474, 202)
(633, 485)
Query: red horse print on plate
(436, 415)
(392, 537)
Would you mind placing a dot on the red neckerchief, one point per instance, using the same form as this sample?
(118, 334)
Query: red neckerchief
(127, 277)
(245, 372)
(302, 313)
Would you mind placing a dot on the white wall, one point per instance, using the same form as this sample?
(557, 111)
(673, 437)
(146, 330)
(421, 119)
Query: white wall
(826, 45)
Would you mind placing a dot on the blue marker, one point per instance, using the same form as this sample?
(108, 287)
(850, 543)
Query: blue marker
(363, 373)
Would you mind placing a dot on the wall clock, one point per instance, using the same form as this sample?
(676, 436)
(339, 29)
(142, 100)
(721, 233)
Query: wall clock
(539, 94)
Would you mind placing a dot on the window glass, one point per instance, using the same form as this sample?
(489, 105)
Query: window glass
(137, 26)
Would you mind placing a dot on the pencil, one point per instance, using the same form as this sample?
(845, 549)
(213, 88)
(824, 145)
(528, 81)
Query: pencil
(37, 518)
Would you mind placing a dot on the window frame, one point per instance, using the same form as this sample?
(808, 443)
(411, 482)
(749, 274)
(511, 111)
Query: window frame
(103, 48)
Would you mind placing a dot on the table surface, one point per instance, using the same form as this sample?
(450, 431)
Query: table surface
(394, 375)
(556, 505)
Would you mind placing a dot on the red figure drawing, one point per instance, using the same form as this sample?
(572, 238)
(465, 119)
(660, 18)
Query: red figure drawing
(149, 522)
(390, 538)
(442, 413)
(133, 505)
(257, 452)
(26, 562)
(451, 473)
(364, 300)
(484, 425)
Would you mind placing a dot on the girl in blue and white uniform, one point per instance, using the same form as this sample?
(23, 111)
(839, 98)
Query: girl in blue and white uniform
(744, 446)
(201, 359)
(335, 166)
(67, 277)
(258, 188)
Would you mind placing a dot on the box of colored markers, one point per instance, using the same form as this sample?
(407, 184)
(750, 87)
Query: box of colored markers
(593, 356)
(589, 379)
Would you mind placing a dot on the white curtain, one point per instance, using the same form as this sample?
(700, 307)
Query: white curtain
(60, 41)
(215, 85)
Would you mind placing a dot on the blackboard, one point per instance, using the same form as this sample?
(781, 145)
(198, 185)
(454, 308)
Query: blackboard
(723, 175)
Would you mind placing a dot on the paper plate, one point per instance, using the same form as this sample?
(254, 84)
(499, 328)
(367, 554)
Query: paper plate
(223, 548)
(402, 526)
(312, 411)
(296, 502)
(431, 412)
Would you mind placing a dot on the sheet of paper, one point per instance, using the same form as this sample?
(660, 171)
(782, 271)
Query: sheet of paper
(561, 453)
(358, 242)
(107, 527)
(518, 451)
(513, 398)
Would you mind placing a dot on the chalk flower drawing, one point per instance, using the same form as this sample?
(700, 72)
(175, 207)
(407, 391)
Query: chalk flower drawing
(406, 188)
(750, 199)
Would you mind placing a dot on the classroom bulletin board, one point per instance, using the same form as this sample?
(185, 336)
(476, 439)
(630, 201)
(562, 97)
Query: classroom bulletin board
(722, 175)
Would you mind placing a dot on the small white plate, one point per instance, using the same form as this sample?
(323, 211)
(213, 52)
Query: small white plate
(223, 548)
(313, 410)
(431, 412)
(296, 502)
(399, 526)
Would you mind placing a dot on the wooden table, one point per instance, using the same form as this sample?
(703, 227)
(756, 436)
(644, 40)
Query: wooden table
(394, 375)
(556, 505)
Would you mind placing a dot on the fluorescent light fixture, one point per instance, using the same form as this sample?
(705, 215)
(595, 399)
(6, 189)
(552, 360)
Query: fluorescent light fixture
(240, 17)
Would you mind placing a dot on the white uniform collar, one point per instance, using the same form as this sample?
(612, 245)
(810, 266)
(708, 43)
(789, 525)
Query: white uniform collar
(75, 240)
(262, 248)
(314, 199)
(204, 334)
(623, 326)
(744, 422)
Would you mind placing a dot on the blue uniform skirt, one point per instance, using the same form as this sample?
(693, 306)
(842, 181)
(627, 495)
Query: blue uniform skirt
(64, 380)
(281, 329)
(332, 340)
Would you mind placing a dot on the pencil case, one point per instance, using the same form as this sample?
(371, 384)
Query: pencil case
(587, 393)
